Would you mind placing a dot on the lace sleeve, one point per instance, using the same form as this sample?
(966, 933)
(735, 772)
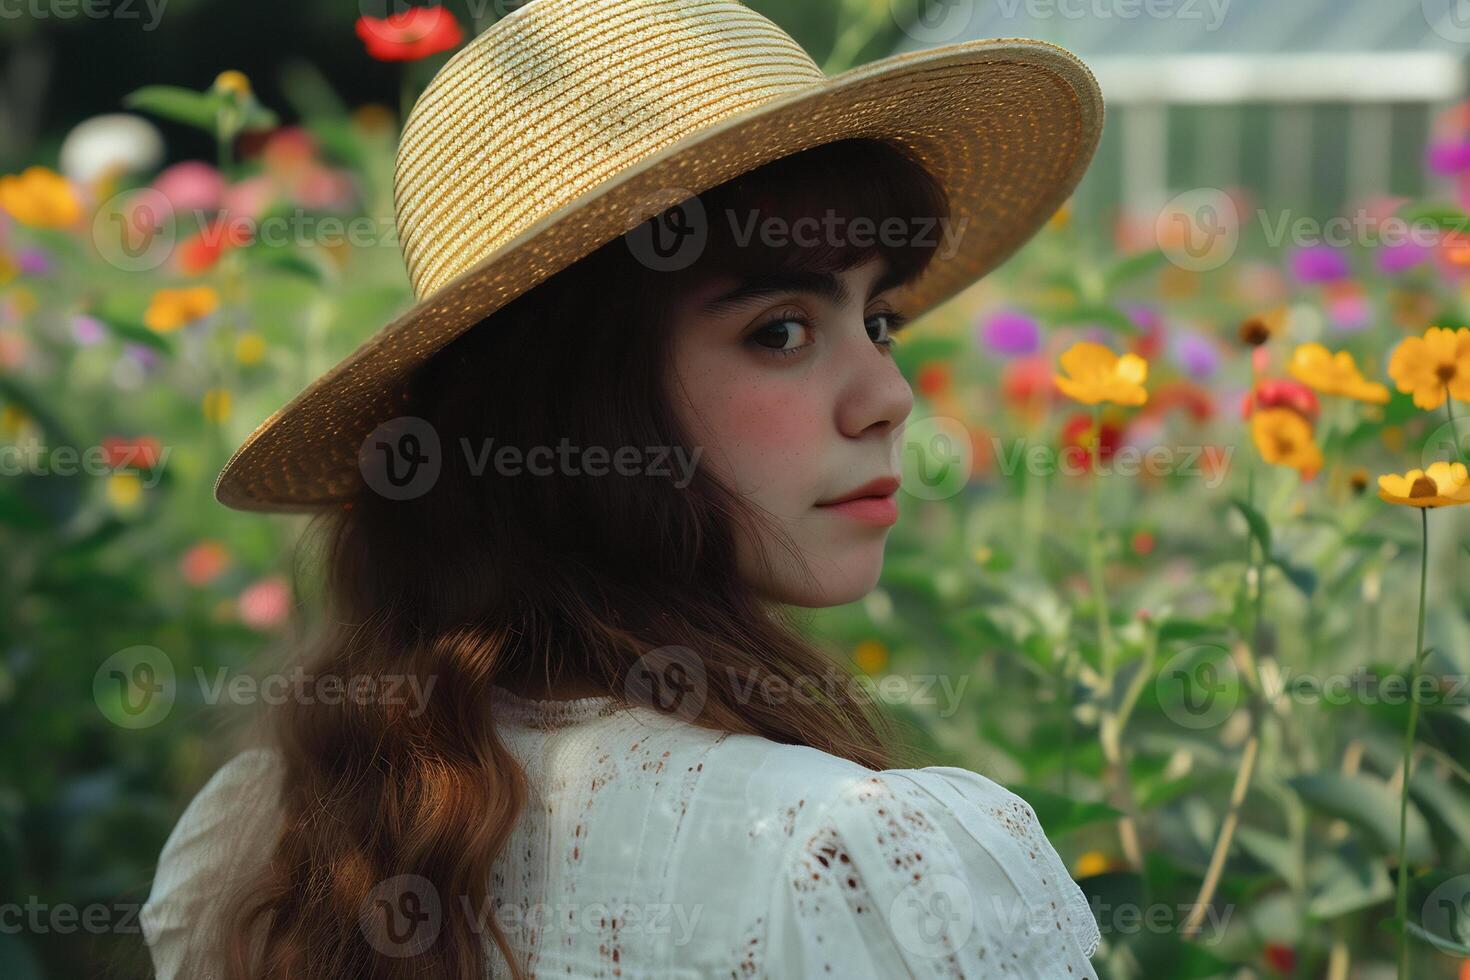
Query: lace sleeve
(226, 830)
(935, 872)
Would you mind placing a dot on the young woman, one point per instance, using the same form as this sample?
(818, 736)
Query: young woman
(583, 734)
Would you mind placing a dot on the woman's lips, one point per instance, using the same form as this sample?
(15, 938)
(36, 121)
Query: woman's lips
(882, 511)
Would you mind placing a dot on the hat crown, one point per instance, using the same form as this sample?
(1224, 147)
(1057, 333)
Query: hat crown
(560, 96)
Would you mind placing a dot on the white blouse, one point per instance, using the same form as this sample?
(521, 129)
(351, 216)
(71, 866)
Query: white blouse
(654, 848)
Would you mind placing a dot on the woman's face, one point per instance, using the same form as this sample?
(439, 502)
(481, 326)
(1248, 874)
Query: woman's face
(789, 390)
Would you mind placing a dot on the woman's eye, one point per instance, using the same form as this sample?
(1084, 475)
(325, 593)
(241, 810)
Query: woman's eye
(782, 334)
(886, 323)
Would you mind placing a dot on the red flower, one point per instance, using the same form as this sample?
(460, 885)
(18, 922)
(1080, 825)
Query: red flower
(1142, 542)
(1280, 958)
(1283, 393)
(409, 35)
(934, 378)
(1026, 384)
(213, 240)
(141, 453)
(1077, 439)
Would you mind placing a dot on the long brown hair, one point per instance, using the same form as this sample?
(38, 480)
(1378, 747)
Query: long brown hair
(484, 578)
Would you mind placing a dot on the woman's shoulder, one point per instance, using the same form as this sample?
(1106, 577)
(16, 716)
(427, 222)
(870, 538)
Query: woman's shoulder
(900, 872)
(226, 831)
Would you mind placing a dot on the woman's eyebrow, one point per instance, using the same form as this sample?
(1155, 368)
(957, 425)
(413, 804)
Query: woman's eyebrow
(824, 284)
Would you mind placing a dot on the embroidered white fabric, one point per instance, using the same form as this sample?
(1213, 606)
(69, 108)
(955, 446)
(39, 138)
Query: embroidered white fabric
(654, 848)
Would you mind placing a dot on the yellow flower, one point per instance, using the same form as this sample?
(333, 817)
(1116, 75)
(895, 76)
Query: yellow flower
(1284, 438)
(870, 656)
(1429, 366)
(1061, 219)
(249, 348)
(124, 489)
(171, 309)
(41, 198)
(1095, 374)
(1095, 863)
(1442, 485)
(1334, 374)
(217, 404)
(233, 82)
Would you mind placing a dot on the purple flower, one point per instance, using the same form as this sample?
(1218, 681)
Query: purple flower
(1196, 354)
(34, 262)
(1396, 258)
(1448, 158)
(87, 330)
(1010, 333)
(1318, 263)
(146, 356)
(1145, 318)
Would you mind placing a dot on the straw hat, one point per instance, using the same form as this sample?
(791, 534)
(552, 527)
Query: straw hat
(569, 123)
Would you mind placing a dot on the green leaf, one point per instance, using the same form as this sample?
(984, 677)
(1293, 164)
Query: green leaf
(1095, 314)
(1444, 217)
(1438, 942)
(1303, 578)
(1370, 805)
(1346, 880)
(136, 333)
(1059, 814)
(197, 109)
(1260, 527)
(1269, 849)
(1188, 629)
(1133, 266)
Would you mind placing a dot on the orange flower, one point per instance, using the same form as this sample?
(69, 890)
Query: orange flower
(40, 197)
(1441, 485)
(1096, 374)
(1284, 438)
(1334, 374)
(1432, 366)
(171, 309)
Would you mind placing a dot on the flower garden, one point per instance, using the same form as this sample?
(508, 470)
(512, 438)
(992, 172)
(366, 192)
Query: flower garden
(1185, 561)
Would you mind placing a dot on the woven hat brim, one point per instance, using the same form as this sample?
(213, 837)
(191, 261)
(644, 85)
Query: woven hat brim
(1007, 126)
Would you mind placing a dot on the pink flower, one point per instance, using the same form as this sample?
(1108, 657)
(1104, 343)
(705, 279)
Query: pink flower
(266, 603)
(191, 185)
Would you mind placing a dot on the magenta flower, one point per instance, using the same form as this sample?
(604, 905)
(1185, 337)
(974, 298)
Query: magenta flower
(1318, 263)
(1448, 157)
(1010, 333)
(34, 262)
(1401, 256)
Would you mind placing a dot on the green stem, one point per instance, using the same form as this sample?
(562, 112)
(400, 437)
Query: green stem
(1095, 556)
(1449, 407)
(1402, 907)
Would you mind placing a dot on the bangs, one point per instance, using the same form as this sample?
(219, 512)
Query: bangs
(827, 209)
